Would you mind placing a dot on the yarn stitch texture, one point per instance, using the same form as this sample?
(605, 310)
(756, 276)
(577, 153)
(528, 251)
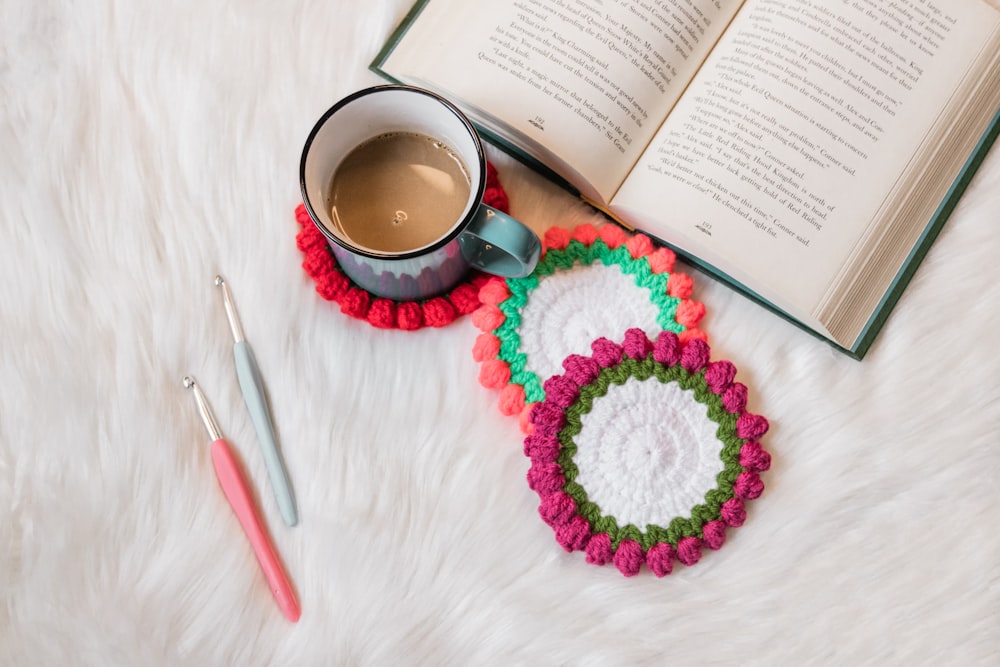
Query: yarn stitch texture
(567, 505)
(637, 280)
(334, 285)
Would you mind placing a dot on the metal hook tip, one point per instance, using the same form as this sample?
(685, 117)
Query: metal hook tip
(219, 280)
(188, 381)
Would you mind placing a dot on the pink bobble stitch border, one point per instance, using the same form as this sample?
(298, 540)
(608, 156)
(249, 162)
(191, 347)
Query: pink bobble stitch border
(579, 523)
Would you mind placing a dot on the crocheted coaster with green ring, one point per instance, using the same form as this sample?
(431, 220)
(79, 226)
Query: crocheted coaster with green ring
(644, 453)
(589, 282)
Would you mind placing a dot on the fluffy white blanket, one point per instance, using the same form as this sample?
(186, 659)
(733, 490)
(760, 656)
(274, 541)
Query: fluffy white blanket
(148, 146)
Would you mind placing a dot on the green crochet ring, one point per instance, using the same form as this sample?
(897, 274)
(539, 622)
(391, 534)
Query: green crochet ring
(530, 324)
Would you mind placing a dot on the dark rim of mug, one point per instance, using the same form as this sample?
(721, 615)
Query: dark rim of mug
(479, 188)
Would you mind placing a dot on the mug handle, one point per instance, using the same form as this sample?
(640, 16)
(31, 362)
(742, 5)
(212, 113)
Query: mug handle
(496, 243)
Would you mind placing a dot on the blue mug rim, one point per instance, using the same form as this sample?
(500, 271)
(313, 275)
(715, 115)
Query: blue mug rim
(480, 187)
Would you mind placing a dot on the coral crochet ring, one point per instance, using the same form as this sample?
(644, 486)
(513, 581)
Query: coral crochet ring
(333, 285)
(644, 453)
(590, 282)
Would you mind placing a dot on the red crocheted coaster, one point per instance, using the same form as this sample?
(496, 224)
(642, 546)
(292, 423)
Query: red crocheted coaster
(333, 285)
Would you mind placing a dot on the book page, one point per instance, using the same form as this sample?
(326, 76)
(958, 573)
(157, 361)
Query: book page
(585, 82)
(793, 134)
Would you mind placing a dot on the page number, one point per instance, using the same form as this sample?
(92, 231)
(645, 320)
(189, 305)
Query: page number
(538, 122)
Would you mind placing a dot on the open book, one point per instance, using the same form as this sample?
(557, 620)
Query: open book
(806, 151)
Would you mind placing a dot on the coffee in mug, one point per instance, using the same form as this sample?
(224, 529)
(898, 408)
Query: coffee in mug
(398, 192)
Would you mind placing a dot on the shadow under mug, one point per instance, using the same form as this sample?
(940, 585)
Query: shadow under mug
(481, 237)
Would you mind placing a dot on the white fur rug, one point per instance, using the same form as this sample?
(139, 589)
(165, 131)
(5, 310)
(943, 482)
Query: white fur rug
(148, 146)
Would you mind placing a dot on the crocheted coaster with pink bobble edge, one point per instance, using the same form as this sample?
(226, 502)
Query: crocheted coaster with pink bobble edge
(644, 453)
(590, 281)
(333, 285)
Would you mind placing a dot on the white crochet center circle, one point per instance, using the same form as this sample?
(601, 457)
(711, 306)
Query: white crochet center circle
(570, 309)
(647, 452)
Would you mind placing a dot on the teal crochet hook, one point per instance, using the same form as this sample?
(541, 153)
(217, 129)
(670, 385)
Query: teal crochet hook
(253, 394)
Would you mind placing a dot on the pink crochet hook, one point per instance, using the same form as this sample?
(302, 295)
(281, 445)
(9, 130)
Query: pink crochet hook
(234, 485)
